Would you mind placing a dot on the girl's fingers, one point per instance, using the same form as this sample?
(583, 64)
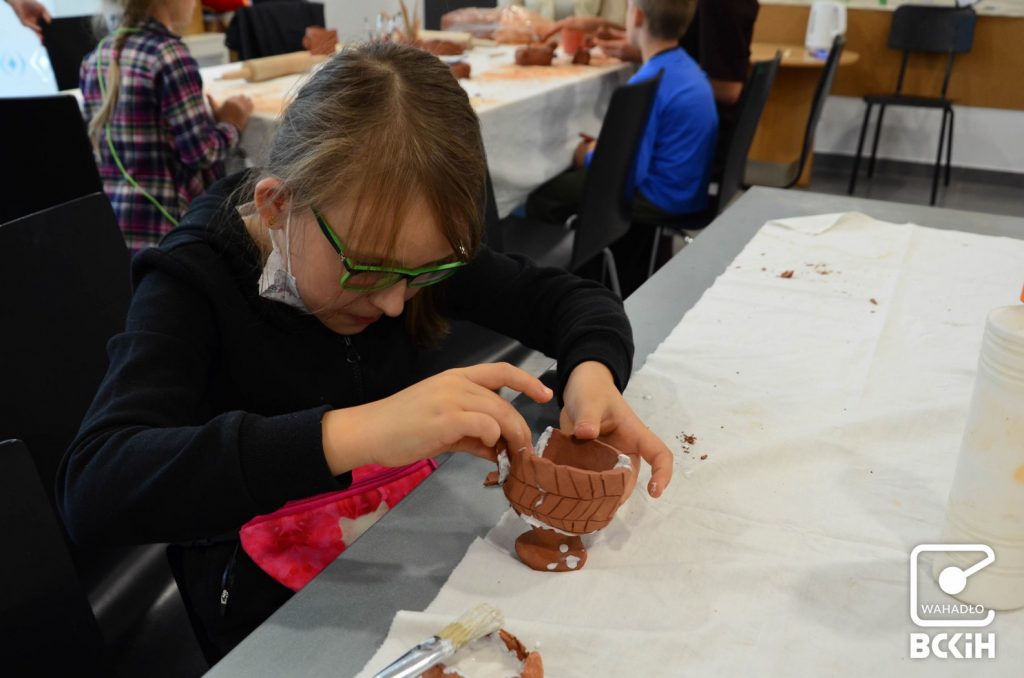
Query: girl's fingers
(656, 453)
(474, 426)
(514, 428)
(586, 420)
(493, 376)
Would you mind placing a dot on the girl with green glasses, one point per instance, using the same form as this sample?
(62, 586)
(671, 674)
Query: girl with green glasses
(275, 337)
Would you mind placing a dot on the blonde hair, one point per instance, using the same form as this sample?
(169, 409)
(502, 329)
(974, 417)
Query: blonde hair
(134, 13)
(381, 125)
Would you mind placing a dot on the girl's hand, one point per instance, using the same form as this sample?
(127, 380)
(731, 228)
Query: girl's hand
(31, 14)
(614, 44)
(235, 110)
(593, 407)
(455, 410)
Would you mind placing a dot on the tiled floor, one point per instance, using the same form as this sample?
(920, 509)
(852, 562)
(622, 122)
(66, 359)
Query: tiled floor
(968, 190)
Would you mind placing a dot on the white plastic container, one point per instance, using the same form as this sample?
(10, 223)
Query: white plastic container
(986, 503)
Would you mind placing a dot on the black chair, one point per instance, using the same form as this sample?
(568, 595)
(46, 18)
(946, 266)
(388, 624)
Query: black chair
(748, 114)
(46, 624)
(936, 30)
(66, 272)
(270, 28)
(606, 205)
(67, 41)
(40, 169)
(785, 176)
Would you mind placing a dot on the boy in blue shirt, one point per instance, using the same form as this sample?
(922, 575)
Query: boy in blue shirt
(675, 155)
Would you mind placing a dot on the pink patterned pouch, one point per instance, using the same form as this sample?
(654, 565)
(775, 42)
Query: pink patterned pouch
(294, 543)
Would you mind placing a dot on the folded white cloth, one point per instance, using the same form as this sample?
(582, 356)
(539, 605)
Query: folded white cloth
(830, 403)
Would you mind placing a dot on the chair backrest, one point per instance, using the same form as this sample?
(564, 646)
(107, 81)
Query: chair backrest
(748, 115)
(46, 624)
(924, 28)
(66, 280)
(607, 200)
(942, 30)
(43, 168)
(828, 74)
(270, 28)
(67, 41)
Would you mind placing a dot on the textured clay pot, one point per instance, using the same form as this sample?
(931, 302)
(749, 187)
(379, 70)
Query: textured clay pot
(537, 54)
(533, 667)
(573, 488)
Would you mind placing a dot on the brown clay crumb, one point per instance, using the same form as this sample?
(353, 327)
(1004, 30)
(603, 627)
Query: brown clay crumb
(491, 480)
(786, 274)
(763, 268)
(703, 457)
(873, 301)
(690, 439)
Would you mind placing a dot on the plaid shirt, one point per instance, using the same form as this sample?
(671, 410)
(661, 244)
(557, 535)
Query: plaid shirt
(161, 129)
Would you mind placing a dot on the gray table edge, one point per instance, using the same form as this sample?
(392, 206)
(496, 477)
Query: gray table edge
(335, 624)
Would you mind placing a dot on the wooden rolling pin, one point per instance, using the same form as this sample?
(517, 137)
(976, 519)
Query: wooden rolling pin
(266, 68)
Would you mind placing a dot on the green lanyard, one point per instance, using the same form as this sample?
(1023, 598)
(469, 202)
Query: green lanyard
(110, 143)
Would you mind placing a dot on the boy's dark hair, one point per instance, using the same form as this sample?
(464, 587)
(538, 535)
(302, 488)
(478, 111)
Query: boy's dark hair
(667, 19)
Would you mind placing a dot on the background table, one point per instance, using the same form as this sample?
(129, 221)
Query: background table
(780, 134)
(530, 117)
(334, 625)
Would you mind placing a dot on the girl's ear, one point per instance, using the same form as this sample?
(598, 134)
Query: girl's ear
(271, 201)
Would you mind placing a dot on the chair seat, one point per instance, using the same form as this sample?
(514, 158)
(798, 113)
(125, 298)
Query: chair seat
(547, 244)
(907, 100)
(760, 173)
(684, 222)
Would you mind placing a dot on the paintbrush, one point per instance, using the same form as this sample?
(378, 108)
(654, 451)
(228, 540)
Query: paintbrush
(478, 622)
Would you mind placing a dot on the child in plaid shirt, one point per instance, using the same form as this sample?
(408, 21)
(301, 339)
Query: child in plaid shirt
(144, 102)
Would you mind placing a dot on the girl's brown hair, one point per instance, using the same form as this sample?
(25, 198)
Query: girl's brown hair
(380, 125)
(134, 14)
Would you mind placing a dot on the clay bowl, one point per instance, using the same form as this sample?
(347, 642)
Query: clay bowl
(536, 54)
(581, 57)
(573, 488)
(532, 666)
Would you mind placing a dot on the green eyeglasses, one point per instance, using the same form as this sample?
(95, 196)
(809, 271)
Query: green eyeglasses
(362, 278)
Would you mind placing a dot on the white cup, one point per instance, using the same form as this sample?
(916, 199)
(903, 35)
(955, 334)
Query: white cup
(986, 503)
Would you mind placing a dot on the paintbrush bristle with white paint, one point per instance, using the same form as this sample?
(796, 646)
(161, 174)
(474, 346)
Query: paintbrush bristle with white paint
(477, 623)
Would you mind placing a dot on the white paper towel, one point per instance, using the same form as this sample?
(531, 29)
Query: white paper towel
(830, 405)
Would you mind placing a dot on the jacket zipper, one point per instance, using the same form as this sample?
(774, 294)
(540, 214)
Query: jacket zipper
(352, 357)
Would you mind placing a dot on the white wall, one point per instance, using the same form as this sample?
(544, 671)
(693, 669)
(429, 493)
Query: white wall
(354, 18)
(984, 138)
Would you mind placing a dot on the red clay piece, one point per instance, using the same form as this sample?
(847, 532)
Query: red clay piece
(533, 666)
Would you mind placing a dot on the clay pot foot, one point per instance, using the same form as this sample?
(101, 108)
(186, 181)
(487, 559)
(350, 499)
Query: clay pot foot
(549, 551)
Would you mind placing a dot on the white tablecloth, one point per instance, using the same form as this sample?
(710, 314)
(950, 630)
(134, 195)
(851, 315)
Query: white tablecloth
(530, 117)
(830, 405)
